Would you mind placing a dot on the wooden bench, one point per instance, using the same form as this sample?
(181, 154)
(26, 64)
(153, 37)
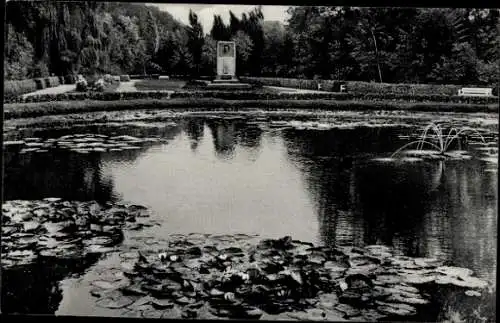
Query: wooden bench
(475, 91)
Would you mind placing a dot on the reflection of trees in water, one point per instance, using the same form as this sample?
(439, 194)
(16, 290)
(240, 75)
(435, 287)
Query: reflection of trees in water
(194, 130)
(62, 174)
(330, 182)
(425, 209)
(224, 137)
(370, 203)
(395, 200)
(69, 175)
(34, 289)
(345, 142)
(249, 137)
(472, 208)
(227, 134)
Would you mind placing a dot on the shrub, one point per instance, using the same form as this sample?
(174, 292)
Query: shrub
(69, 79)
(13, 89)
(51, 81)
(40, 84)
(81, 84)
(61, 79)
(124, 78)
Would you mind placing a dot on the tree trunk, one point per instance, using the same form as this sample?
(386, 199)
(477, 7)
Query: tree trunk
(376, 54)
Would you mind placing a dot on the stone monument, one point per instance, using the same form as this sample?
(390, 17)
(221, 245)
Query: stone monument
(226, 68)
(226, 60)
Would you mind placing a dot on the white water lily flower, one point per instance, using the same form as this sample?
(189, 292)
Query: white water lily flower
(229, 296)
(343, 285)
(174, 257)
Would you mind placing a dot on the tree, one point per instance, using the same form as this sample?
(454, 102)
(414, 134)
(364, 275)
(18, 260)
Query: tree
(209, 55)
(151, 40)
(234, 23)
(18, 58)
(244, 47)
(219, 30)
(195, 40)
(274, 36)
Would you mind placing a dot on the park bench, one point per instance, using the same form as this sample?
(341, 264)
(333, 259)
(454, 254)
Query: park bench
(342, 87)
(475, 91)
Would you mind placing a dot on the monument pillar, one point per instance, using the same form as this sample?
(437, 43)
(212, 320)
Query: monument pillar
(226, 61)
(226, 68)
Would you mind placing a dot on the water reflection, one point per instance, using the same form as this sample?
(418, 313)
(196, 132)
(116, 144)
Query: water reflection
(68, 175)
(224, 176)
(194, 128)
(35, 288)
(440, 209)
(224, 138)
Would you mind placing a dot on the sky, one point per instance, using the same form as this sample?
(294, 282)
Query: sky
(206, 12)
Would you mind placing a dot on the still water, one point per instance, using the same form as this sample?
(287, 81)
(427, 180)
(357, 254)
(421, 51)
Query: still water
(232, 176)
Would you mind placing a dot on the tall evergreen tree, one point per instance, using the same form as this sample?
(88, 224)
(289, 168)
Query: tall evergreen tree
(195, 41)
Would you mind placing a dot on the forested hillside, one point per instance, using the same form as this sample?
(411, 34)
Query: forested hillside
(454, 46)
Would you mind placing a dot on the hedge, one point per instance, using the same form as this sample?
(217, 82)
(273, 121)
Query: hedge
(257, 95)
(360, 87)
(124, 78)
(13, 89)
(70, 79)
(145, 76)
(20, 110)
(52, 81)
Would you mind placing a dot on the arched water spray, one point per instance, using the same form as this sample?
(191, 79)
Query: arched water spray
(443, 141)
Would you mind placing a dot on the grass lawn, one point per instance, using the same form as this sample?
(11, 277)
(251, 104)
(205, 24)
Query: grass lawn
(158, 85)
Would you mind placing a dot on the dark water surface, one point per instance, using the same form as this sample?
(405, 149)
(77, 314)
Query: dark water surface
(230, 176)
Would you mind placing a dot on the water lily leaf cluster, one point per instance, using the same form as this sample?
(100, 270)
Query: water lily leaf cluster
(206, 276)
(59, 229)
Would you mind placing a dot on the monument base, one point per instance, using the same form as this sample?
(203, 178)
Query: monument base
(228, 82)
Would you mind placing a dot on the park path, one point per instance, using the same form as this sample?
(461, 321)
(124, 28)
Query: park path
(128, 86)
(293, 90)
(53, 90)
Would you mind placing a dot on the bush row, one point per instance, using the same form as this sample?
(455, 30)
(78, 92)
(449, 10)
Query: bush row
(361, 87)
(16, 88)
(20, 110)
(145, 76)
(12, 89)
(254, 95)
(258, 95)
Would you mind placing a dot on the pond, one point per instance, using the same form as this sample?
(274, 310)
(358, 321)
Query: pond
(225, 175)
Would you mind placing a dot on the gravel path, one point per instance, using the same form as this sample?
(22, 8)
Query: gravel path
(289, 89)
(53, 90)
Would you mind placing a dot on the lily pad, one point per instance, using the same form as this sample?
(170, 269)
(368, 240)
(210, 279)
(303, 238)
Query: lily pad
(104, 284)
(112, 303)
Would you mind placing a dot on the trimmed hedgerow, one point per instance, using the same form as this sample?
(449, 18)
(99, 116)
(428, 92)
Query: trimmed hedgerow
(40, 84)
(70, 79)
(256, 95)
(13, 89)
(21, 110)
(360, 87)
(51, 81)
(124, 78)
